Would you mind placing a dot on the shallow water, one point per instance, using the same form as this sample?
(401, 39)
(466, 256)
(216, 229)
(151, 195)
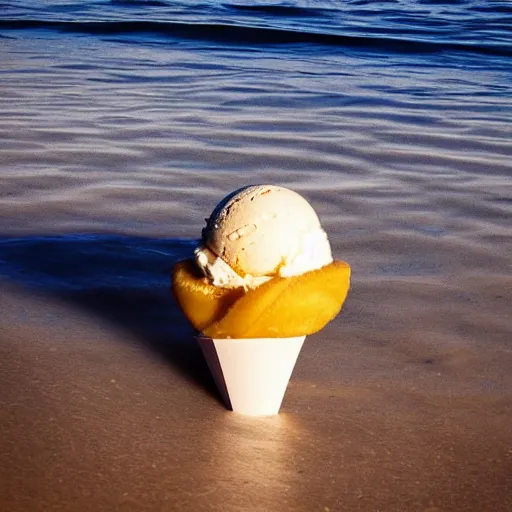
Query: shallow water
(122, 124)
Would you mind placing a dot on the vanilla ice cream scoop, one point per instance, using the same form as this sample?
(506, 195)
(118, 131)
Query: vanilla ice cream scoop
(259, 232)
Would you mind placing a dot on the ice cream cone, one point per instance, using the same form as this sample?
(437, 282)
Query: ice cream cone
(252, 374)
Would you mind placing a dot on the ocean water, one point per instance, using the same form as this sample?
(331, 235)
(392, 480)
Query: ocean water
(123, 123)
(136, 117)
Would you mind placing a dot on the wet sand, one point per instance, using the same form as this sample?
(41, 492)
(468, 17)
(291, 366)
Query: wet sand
(399, 405)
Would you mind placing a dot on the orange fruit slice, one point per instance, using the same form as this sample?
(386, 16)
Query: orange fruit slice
(279, 308)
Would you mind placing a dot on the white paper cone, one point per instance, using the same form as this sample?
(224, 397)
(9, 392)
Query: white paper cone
(252, 374)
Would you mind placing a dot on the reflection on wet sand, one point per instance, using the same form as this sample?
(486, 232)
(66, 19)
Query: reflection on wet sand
(255, 460)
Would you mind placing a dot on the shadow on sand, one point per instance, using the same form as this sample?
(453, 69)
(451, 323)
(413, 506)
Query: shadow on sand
(122, 279)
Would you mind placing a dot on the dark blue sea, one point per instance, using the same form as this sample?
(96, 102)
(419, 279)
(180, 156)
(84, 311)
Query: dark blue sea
(124, 122)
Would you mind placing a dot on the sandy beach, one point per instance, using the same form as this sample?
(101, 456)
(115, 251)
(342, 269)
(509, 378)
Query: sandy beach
(116, 142)
(399, 405)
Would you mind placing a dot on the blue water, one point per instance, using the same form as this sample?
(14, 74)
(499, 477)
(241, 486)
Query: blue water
(423, 27)
(133, 118)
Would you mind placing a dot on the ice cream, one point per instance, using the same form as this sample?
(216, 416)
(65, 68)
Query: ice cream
(259, 232)
(263, 268)
(261, 279)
